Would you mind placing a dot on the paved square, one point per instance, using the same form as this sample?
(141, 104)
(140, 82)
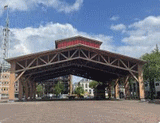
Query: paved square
(79, 112)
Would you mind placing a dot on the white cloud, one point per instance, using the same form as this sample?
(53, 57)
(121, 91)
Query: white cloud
(30, 40)
(25, 5)
(148, 23)
(118, 27)
(114, 18)
(68, 8)
(144, 32)
(134, 51)
(142, 37)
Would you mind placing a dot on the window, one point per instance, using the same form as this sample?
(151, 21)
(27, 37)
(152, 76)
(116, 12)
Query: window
(4, 95)
(89, 91)
(157, 84)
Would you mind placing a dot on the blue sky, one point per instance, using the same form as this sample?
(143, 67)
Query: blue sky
(127, 27)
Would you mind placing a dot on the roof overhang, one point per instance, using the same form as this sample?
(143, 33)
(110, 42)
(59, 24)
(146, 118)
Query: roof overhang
(116, 55)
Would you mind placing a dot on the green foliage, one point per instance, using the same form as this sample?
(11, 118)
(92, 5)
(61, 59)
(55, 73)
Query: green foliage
(152, 68)
(131, 80)
(112, 83)
(39, 90)
(93, 84)
(79, 91)
(59, 88)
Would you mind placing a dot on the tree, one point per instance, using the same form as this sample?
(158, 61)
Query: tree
(79, 91)
(59, 88)
(39, 90)
(152, 69)
(93, 84)
(99, 88)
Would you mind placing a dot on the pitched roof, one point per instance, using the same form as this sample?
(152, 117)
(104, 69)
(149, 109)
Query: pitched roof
(78, 37)
(73, 47)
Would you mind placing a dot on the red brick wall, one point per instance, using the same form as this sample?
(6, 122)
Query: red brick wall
(74, 42)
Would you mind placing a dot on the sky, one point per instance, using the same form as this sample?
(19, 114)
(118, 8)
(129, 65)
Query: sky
(127, 27)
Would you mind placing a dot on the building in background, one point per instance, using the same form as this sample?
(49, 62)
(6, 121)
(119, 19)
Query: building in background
(157, 89)
(74, 86)
(4, 85)
(84, 83)
(16, 89)
(49, 84)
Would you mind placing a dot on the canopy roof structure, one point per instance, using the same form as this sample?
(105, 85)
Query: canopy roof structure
(80, 60)
(77, 60)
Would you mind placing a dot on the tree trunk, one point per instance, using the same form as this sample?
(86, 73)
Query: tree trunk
(151, 83)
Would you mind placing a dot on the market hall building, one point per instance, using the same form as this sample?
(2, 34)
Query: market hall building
(78, 56)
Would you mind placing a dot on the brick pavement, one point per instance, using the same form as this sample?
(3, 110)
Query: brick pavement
(80, 112)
